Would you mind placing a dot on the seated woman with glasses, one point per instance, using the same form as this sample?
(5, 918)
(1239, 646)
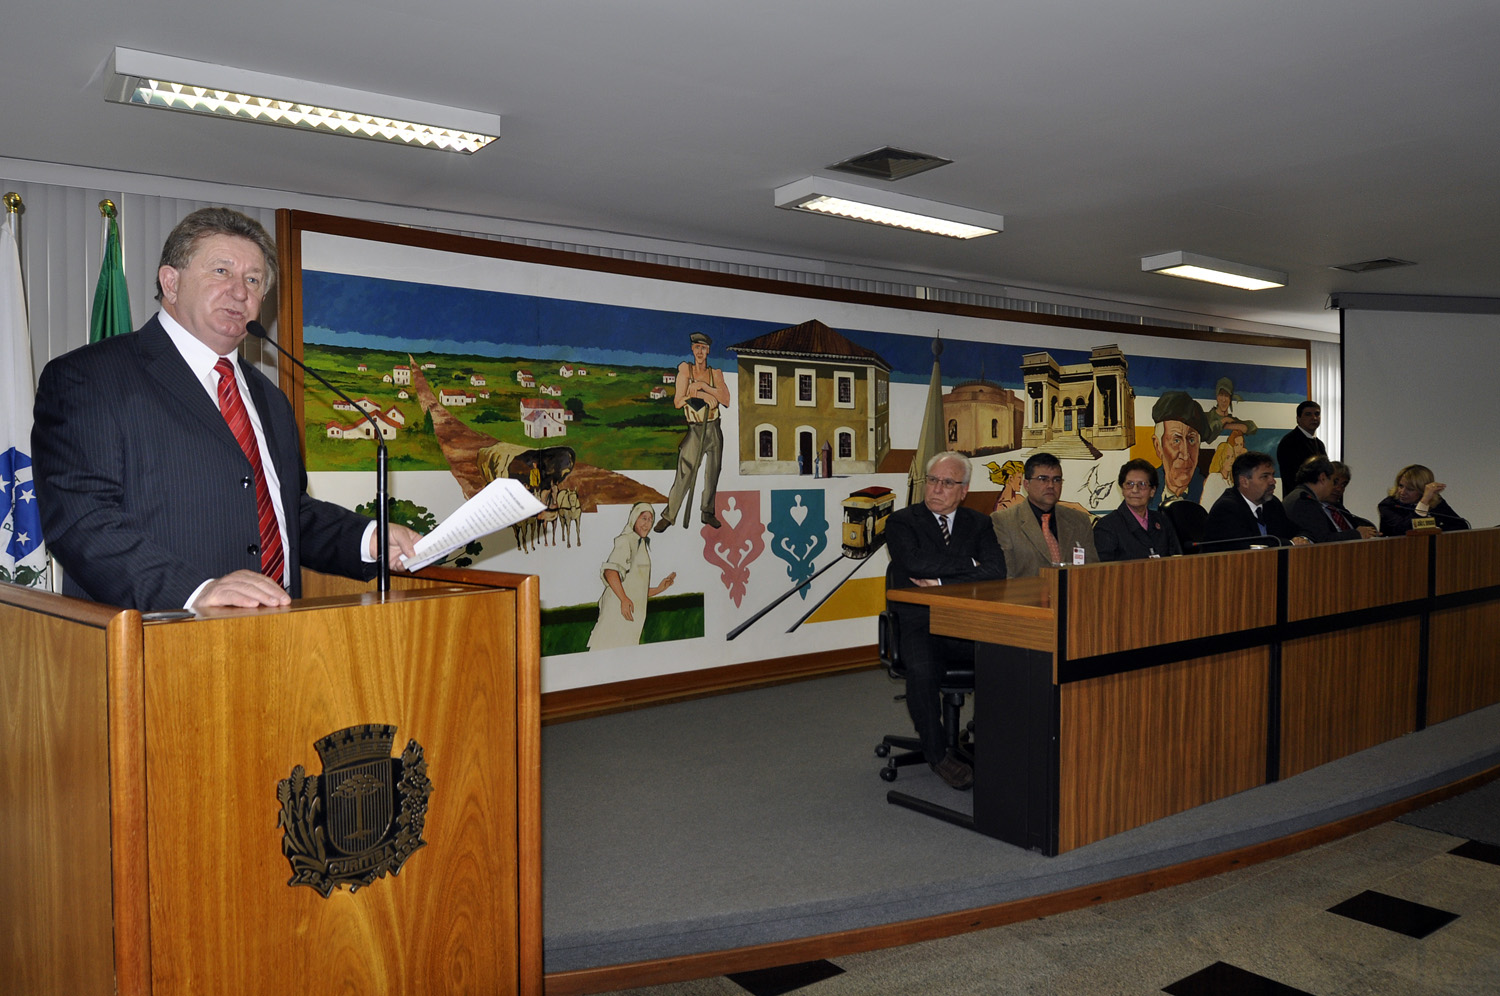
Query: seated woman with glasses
(1135, 531)
(1416, 495)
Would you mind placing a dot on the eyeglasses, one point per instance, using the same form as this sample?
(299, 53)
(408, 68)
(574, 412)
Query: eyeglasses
(1136, 485)
(1043, 479)
(933, 482)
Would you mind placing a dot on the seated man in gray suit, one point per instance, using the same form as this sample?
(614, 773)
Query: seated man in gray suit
(937, 542)
(168, 469)
(1038, 532)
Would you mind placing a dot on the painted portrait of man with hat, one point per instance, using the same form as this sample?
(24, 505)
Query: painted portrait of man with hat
(1181, 427)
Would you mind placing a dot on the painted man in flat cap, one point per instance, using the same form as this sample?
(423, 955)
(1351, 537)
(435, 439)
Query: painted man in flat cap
(701, 392)
(1180, 429)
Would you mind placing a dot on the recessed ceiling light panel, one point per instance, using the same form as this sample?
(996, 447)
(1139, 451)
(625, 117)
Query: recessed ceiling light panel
(161, 81)
(820, 195)
(1195, 266)
(890, 164)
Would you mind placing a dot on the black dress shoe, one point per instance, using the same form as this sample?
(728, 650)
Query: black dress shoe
(662, 525)
(955, 772)
(710, 519)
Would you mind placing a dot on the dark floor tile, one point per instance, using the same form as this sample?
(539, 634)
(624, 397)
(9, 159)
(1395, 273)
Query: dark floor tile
(785, 978)
(1399, 915)
(1223, 979)
(1478, 850)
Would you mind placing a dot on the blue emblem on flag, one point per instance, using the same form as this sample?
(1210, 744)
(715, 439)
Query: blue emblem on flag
(21, 528)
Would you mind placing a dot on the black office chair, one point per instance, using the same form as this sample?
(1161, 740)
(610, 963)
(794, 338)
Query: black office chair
(956, 684)
(1188, 519)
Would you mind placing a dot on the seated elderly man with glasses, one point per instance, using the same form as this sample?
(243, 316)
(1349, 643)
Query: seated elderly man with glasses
(937, 542)
(1039, 532)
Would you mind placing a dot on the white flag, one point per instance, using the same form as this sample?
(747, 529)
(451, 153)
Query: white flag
(23, 558)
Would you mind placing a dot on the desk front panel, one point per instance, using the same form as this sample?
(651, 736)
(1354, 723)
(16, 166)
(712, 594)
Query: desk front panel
(1347, 690)
(1146, 603)
(1331, 578)
(1463, 660)
(1138, 746)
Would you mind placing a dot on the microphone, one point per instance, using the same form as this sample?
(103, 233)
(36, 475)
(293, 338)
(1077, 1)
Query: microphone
(1271, 539)
(382, 473)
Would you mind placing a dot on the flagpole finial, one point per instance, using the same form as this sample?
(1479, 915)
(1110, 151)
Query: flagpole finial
(107, 208)
(13, 203)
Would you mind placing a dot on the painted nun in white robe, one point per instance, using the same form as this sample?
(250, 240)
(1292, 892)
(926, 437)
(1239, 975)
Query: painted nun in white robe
(627, 583)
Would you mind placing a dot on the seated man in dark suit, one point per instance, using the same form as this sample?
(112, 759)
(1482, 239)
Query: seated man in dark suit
(1341, 478)
(934, 543)
(1306, 505)
(168, 470)
(1249, 509)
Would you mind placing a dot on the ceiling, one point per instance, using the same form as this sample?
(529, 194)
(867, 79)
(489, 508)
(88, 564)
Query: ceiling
(1281, 133)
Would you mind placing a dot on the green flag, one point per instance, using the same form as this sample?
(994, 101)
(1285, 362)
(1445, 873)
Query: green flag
(111, 297)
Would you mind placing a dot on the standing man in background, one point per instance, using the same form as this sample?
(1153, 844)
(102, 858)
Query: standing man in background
(168, 470)
(1299, 444)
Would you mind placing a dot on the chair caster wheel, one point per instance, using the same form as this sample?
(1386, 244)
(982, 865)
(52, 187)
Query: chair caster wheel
(881, 750)
(888, 774)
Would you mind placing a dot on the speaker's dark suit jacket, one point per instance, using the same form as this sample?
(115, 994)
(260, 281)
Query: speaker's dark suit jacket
(144, 492)
(1231, 518)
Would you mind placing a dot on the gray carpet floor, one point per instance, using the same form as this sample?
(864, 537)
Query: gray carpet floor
(1475, 815)
(759, 817)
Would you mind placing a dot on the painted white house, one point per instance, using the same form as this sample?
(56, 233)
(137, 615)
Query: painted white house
(543, 418)
(401, 374)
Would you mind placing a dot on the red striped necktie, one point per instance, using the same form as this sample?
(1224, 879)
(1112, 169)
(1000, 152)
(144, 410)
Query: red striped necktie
(272, 561)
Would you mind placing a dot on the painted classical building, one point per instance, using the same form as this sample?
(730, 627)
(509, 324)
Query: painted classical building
(982, 417)
(1078, 410)
(805, 385)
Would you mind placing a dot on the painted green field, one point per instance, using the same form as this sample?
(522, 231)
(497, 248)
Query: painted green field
(615, 422)
(566, 630)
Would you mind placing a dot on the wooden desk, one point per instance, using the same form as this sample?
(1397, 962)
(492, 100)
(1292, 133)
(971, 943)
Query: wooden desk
(1112, 695)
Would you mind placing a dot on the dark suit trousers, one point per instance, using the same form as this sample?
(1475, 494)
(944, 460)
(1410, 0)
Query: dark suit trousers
(927, 659)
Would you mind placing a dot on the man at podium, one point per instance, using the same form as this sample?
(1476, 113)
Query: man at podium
(167, 469)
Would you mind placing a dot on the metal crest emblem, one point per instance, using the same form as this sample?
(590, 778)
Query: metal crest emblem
(361, 818)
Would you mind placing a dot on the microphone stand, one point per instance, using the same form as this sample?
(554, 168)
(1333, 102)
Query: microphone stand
(382, 471)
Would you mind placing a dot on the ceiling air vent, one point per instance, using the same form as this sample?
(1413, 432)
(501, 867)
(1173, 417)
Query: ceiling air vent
(1384, 263)
(890, 164)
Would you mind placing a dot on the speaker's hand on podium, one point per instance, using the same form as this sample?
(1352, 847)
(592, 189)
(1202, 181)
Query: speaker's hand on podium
(241, 590)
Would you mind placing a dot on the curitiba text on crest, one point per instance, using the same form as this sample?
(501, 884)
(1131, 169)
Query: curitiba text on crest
(361, 818)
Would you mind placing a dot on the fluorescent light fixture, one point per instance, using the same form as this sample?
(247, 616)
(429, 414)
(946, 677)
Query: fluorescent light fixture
(244, 95)
(1194, 266)
(882, 207)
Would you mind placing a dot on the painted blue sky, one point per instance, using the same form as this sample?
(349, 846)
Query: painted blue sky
(374, 313)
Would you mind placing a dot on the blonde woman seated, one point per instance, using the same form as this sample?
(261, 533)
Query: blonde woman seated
(627, 583)
(1417, 495)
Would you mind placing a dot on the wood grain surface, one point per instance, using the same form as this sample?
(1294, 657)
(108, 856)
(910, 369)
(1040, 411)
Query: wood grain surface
(1344, 691)
(1138, 746)
(55, 885)
(1463, 660)
(1357, 574)
(1141, 603)
(235, 701)
(1467, 559)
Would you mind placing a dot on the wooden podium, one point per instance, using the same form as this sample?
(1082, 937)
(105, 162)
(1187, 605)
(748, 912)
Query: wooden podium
(139, 812)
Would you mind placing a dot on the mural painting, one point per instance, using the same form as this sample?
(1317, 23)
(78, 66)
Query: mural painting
(629, 406)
